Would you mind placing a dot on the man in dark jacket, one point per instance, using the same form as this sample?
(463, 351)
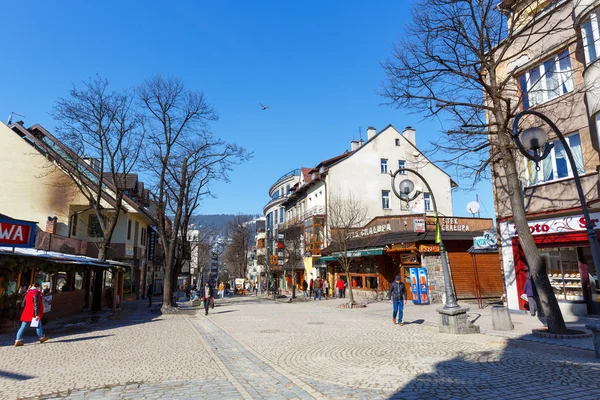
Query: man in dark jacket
(207, 295)
(397, 295)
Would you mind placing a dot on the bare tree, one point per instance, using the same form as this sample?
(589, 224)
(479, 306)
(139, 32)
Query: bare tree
(294, 245)
(102, 131)
(183, 157)
(345, 214)
(452, 53)
(236, 254)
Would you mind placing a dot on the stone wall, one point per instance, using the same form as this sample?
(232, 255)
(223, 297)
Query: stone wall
(433, 264)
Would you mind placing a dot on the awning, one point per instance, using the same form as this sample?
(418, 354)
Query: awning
(60, 258)
(374, 251)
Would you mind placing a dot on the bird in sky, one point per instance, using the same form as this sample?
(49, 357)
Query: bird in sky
(263, 106)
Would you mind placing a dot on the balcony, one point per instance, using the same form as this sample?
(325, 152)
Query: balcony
(291, 174)
(311, 212)
(61, 244)
(581, 8)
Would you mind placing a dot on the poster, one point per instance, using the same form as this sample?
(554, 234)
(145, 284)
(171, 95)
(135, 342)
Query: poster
(47, 300)
(423, 286)
(414, 286)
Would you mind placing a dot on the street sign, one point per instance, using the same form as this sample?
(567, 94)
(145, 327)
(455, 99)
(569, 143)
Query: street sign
(280, 262)
(280, 254)
(280, 236)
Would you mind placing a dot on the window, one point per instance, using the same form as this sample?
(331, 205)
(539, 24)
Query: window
(281, 216)
(427, 201)
(94, 229)
(384, 166)
(74, 220)
(385, 199)
(397, 142)
(401, 165)
(143, 237)
(276, 213)
(591, 37)
(287, 188)
(556, 165)
(128, 229)
(547, 81)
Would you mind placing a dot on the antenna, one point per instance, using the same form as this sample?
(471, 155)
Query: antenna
(11, 115)
(360, 133)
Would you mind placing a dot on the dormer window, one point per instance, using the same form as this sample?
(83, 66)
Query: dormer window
(313, 175)
(321, 170)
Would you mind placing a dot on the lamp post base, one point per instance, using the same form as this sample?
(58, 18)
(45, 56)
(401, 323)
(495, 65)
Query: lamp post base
(456, 321)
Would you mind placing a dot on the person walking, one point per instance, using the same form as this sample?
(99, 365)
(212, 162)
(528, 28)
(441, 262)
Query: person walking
(317, 288)
(221, 291)
(207, 297)
(397, 296)
(340, 287)
(33, 312)
(310, 287)
(305, 288)
(149, 293)
(532, 298)
(326, 288)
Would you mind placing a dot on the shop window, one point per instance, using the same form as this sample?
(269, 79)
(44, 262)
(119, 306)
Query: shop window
(563, 271)
(371, 282)
(556, 165)
(77, 281)
(547, 81)
(46, 281)
(61, 282)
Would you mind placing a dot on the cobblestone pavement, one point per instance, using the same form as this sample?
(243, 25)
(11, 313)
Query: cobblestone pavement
(250, 348)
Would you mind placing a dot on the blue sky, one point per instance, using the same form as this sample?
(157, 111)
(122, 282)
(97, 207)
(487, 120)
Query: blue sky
(315, 63)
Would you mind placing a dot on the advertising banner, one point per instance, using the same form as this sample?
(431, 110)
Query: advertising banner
(423, 286)
(16, 233)
(414, 286)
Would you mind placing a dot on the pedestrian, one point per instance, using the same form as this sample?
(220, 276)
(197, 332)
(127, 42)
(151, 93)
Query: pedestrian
(326, 288)
(228, 289)
(340, 287)
(305, 288)
(221, 291)
(33, 312)
(532, 297)
(317, 288)
(397, 296)
(255, 289)
(310, 285)
(262, 287)
(149, 293)
(207, 297)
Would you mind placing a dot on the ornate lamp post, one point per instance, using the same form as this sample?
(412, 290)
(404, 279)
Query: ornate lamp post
(453, 318)
(533, 144)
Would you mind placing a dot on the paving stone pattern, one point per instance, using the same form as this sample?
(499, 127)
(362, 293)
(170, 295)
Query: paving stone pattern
(250, 348)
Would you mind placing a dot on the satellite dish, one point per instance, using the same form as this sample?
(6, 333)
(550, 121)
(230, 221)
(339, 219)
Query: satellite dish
(473, 207)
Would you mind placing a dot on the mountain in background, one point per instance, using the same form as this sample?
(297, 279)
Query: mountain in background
(219, 223)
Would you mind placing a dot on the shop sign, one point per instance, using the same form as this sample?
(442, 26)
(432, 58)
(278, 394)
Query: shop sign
(454, 225)
(429, 248)
(15, 233)
(151, 244)
(419, 224)
(373, 230)
(550, 226)
(489, 240)
(128, 250)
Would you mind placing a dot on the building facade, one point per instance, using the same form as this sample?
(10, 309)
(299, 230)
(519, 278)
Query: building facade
(556, 75)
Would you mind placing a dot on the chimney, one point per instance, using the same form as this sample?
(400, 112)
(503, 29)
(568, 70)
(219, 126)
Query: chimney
(51, 224)
(371, 132)
(410, 134)
(355, 144)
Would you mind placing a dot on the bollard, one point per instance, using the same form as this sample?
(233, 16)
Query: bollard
(595, 328)
(501, 320)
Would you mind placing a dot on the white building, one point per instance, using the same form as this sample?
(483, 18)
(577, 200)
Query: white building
(364, 173)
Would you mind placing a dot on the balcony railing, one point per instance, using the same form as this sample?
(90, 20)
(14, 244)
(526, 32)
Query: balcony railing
(311, 212)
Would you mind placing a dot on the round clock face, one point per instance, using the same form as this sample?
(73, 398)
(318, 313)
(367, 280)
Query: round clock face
(217, 249)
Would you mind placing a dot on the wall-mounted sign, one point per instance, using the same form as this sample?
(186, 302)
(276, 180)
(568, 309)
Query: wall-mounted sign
(429, 248)
(151, 244)
(454, 225)
(419, 224)
(128, 250)
(489, 240)
(575, 223)
(373, 230)
(16, 233)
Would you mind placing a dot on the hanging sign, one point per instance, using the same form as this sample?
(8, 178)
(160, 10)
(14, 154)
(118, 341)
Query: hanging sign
(419, 224)
(429, 248)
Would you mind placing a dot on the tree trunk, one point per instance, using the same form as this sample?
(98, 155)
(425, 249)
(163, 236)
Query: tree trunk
(349, 286)
(293, 282)
(98, 280)
(549, 303)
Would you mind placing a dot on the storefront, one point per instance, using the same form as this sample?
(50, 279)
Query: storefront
(392, 246)
(564, 247)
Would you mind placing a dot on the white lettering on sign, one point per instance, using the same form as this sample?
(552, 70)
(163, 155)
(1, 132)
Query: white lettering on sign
(574, 223)
(13, 233)
(373, 230)
(452, 225)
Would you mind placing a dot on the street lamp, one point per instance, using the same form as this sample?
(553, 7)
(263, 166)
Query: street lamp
(533, 144)
(405, 188)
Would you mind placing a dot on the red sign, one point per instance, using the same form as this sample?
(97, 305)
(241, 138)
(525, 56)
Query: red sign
(15, 233)
(557, 225)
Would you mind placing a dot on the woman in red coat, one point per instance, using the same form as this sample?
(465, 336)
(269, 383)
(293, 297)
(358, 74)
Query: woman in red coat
(33, 311)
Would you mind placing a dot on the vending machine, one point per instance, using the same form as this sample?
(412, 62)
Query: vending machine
(419, 286)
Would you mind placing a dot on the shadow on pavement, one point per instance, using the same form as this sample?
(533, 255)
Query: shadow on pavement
(14, 376)
(224, 312)
(416, 321)
(524, 369)
(81, 339)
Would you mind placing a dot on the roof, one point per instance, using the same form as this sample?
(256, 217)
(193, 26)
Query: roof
(400, 237)
(61, 152)
(306, 174)
(60, 258)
